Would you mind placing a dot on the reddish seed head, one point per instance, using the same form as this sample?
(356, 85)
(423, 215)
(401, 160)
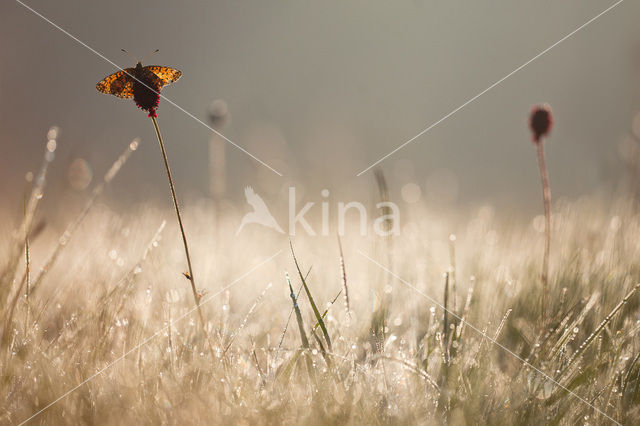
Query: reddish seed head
(146, 98)
(540, 121)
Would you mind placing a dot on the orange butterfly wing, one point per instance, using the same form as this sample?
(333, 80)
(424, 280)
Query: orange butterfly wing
(165, 74)
(119, 84)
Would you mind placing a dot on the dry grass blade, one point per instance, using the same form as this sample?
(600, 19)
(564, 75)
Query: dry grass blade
(627, 377)
(296, 308)
(303, 334)
(246, 318)
(568, 330)
(502, 323)
(27, 263)
(345, 288)
(326, 311)
(286, 326)
(467, 306)
(445, 321)
(452, 272)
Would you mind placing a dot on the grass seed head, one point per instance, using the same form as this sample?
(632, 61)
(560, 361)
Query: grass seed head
(540, 121)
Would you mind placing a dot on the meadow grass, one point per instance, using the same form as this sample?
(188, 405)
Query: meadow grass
(116, 293)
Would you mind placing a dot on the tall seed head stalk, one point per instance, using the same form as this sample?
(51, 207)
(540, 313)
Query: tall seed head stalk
(196, 295)
(541, 122)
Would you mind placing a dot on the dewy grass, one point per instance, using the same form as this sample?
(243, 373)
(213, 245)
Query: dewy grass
(92, 313)
(397, 362)
(600, 327)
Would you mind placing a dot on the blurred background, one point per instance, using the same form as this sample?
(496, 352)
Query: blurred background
(319, 91)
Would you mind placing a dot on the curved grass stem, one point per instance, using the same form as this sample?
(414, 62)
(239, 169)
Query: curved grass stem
(196, 296)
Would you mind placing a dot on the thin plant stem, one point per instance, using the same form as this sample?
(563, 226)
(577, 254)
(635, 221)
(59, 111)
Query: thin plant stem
(546, 197)
(344, 281)
(452, 272)
(445, 322)
(196, 296)
(27, 262)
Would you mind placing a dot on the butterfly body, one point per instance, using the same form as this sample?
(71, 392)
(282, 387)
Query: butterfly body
(142, 83)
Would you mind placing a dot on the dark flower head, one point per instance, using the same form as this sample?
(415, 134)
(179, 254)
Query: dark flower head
(540, 121)
(146, 90)
(146, 99)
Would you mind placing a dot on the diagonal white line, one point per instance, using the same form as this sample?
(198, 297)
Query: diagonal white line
(489, 338)
(425, 130)
(148, 339)
(161, 95)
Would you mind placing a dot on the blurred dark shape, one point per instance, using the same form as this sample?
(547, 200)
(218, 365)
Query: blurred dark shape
(219, 114)
(629, 152)
(37, 229)
(540, 121)
(79, 174)
(219, 117)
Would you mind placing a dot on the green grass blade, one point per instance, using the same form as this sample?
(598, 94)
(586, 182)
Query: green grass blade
(313, 303)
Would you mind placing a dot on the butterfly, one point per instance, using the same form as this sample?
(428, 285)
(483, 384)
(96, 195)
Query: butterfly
(143, 84)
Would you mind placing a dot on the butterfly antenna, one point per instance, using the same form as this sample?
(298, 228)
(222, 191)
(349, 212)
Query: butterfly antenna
(149, 54)
(134, 58)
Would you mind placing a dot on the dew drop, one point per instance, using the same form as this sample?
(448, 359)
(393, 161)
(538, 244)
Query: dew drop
(51, 145)
(53, 132)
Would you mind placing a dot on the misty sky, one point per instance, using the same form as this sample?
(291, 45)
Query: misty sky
(319, 90)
